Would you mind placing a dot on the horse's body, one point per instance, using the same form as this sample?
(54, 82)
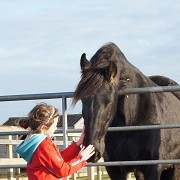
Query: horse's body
(103, 77)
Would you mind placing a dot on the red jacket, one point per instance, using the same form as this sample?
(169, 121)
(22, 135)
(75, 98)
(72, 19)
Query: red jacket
(48, 163)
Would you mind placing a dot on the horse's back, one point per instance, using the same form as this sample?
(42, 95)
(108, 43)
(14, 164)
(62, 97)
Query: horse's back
(170, 138)
(165, 81)
(169, 106)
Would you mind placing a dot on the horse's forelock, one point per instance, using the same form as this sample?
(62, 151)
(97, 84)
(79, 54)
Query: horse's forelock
(89, 82)
(96, 74)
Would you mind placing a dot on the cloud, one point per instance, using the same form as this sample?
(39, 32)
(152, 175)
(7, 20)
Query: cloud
(42, 41)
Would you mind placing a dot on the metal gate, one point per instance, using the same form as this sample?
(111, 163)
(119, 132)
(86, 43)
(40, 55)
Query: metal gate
(65, 129)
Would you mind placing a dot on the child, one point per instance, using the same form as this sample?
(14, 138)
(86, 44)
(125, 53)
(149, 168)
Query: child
(44, 161)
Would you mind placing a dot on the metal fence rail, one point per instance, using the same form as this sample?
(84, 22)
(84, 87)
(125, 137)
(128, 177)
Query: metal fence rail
(149, 90)
(110, 129)
(128, 163)
(113, 163)
(36, 96)
(70, 94)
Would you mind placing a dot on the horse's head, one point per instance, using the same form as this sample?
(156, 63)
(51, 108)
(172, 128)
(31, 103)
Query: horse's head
(98, 91)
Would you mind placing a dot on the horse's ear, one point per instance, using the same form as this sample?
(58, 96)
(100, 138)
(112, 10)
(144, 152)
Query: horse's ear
(85, 64)
(112, 71)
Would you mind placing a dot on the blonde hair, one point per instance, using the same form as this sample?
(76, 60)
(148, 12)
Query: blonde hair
(41, 114)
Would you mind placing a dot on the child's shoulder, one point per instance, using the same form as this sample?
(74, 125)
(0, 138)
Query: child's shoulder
(46, 143)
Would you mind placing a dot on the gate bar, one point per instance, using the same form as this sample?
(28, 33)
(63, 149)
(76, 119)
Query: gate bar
(113, 163)
(123, 128)
(128, 163)
(70, 94)
(36, 96)
(149, 89)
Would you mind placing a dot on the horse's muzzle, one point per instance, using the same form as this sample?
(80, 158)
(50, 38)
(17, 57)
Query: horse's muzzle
(95, 157)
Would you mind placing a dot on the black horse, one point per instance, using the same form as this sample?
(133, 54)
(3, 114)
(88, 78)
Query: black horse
(103, 78)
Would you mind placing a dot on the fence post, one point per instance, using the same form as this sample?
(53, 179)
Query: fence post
(65, 125)
(18, 156)
(10, 155)
(90, 173)
(99, 173)
(74, 176)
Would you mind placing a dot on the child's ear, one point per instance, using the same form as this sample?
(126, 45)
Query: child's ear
(42, 128)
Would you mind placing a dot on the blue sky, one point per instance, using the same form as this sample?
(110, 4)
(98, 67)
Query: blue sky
(42, 41)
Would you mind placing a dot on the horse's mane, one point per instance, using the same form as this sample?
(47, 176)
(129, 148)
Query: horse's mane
(93, 77)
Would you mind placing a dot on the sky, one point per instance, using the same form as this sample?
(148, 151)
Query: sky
(41, 42)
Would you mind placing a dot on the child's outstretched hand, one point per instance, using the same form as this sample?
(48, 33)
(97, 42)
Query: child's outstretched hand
(81, 139)
(87, 152)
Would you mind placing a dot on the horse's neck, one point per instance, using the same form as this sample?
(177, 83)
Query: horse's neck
(134, 105)
(131, 77)
(119, 118)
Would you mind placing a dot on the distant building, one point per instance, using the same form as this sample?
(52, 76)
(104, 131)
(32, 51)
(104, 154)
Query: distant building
(74, 121)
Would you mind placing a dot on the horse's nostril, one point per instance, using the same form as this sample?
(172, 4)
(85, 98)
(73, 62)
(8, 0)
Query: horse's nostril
(95, 157)
(98, 154)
